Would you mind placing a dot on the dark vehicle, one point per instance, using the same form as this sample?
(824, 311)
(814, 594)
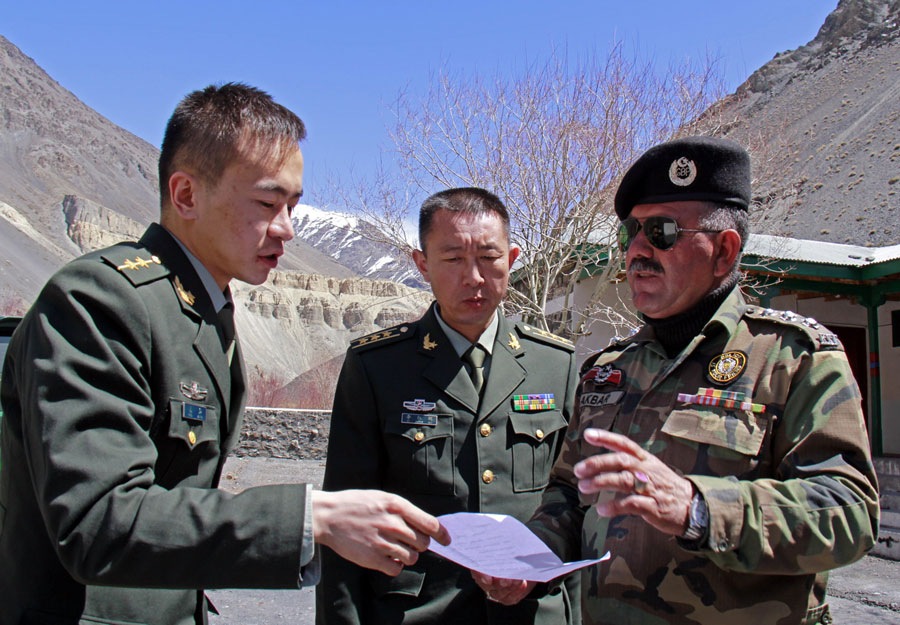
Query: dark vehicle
(7, 325)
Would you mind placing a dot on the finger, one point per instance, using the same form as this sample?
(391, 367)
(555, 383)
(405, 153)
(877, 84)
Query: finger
(619, 481)
(401, 552)
(605, 463)
(613, 441)
(388, 566)
(422, 522)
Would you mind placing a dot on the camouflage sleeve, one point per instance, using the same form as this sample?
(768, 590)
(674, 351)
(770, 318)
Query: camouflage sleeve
(820, 509)
(558, 519)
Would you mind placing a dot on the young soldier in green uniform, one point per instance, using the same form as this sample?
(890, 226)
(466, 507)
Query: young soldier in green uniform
(416, 413)
(122, 394)
(735, 443)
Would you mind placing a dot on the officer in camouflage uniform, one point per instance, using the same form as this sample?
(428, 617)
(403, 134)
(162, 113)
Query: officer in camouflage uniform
(722, 446)
(409, 418)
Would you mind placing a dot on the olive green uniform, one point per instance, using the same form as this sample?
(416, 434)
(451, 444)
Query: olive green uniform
(119, 408)
(447, 454)
(781, 458)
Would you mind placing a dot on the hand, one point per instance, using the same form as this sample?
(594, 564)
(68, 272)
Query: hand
(505, 591)
(374, 529)
(655, 492)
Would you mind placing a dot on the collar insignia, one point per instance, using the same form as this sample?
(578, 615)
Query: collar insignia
(428, 344)
(419, 405)
(514, 341)
(726, 367)
(183, 293)
(194, 391)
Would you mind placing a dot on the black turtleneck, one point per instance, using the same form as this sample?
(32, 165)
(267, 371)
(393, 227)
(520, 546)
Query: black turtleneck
(674, 333)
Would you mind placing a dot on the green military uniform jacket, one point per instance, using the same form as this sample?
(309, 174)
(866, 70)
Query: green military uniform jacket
(781, 457)
(449, 455)
(119, 409)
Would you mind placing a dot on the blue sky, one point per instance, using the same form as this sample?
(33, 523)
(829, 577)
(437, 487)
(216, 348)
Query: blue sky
(339, 64)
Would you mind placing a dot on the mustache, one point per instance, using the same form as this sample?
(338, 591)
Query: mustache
(647, 265)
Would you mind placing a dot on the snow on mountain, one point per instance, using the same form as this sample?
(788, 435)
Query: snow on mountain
(348, 240)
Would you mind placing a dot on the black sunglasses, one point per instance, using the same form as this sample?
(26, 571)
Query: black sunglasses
(661, 232)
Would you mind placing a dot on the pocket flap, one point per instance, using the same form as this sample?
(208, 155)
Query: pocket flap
(737, 430)
(536, 425)
(408, 582)
(192, 423)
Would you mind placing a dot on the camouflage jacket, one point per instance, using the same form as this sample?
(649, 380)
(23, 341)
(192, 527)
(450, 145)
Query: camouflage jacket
(781, 457)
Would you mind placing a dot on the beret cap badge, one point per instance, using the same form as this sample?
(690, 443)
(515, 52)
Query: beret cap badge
(682, 172)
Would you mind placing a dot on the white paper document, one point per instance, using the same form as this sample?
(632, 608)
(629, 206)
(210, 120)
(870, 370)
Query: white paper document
(501, 546)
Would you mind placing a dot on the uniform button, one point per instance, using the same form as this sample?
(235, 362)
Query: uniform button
(539, 434)
(420, 436)
(192, 438)
(485, 429)
(487, 477)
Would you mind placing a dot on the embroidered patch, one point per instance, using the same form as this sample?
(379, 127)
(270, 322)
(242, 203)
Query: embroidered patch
(601, 399)
(603, 374)
(726, 367)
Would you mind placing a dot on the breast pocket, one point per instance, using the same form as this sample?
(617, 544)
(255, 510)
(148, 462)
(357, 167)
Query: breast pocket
(534, 440)
(193, 423)
(422, 454)
(733, 437)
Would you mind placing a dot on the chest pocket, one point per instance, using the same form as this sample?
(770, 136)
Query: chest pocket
(421, 455)
(535, 441)
(730, 434)
(193, 423)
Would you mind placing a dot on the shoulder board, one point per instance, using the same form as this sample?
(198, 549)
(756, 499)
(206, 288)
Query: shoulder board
(383, 337)
(818, 334)
(615, 343)
(135, 262)
(543, 336)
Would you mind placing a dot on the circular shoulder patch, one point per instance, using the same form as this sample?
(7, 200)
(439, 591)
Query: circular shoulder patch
(682, 172)
(727, 366)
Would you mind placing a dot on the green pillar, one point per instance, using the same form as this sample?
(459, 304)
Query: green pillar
(872, 303)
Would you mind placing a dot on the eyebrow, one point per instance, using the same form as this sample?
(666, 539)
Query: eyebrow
(277, 188)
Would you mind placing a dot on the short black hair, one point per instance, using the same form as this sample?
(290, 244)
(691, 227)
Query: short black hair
(470, 200)
(211, 127)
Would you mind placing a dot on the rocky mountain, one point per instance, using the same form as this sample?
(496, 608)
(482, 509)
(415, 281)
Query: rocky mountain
(351, 241)
(823, 123)
(71, 181)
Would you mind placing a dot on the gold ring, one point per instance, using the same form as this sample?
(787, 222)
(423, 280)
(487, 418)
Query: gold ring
(640, 481)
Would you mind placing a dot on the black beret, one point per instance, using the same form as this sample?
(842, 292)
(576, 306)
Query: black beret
(693, 168)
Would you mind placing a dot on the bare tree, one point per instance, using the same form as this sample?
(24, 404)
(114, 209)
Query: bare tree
(551, 142)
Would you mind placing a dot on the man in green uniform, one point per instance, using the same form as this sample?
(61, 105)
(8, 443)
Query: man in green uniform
(723, 445)
(122, 393)
(417, 413)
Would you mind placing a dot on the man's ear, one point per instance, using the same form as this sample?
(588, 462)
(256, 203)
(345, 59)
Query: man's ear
(513, 255)
(184, 190)
(728, 248)
(421, 262)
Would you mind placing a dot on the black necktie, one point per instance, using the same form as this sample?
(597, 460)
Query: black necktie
(226, 321)
(475, 356)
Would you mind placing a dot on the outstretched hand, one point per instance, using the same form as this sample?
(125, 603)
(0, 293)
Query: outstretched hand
(374, 529)
(654, 491)
(505, 591)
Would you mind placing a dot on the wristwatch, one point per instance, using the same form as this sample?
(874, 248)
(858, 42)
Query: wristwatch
(698, 525)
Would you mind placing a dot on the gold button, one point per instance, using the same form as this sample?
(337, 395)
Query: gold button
(485, 429)
(487, 477)
(420, 436)
(539, 434)
(192, 438)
